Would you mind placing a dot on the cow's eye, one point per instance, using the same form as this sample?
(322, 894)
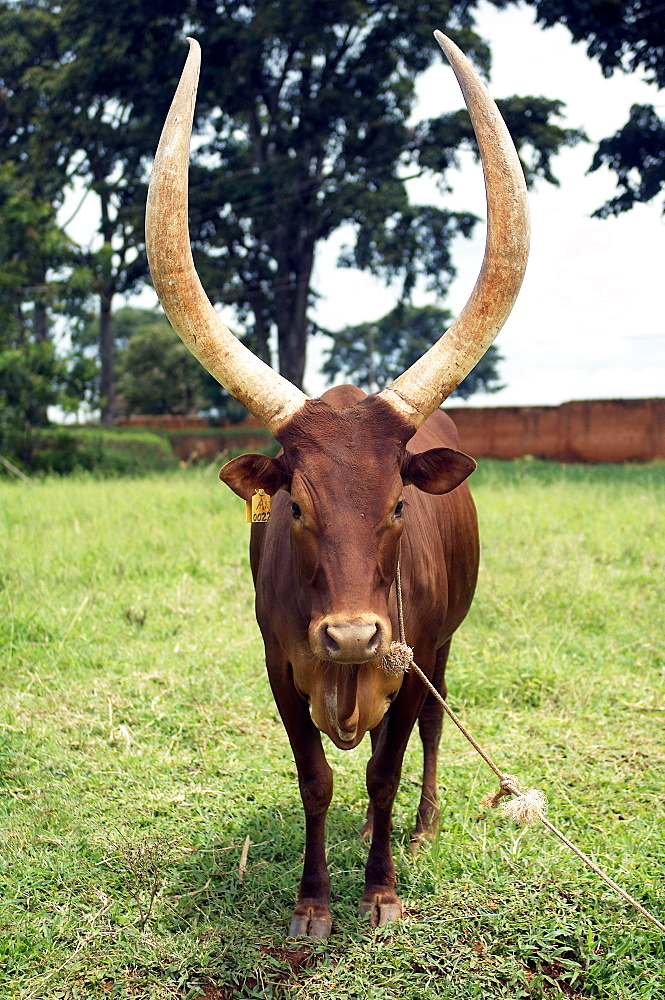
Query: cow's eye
(399, 508)
(295, 510)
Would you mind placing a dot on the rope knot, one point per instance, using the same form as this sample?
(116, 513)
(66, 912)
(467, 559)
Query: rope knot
(526, 807)
(507, 786)
(398, 659)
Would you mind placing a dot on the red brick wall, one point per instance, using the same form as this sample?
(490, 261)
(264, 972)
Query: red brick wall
(193, 447)
(598, 430)
(204, 447)
(167, 422)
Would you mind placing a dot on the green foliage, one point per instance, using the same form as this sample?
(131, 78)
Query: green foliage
(312, 130)
(156, 374)
(628, 36)
(373, 354)
(30, 245)
(39, 262)
(531, 121)
(307, 128)
(38, 280)
(29, 383)
(63, 450)
(135, 711)
(90, 86)
(636, 153)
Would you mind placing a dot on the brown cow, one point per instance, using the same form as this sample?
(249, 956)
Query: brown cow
(361, 482)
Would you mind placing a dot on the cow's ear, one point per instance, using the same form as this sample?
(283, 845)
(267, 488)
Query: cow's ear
(438, 470)
(249, 473)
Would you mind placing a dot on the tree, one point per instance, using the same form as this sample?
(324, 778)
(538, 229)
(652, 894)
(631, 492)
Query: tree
(311, 128)
(156, 374)
(40, 272)
(31, 377)
(94, 83)
(306, 128)
(37, 279)
(115, 68)
(626, 35)
(373, 354)
(31, 246)
(636, 153)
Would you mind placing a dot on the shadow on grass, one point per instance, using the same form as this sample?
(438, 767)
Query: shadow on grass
(514, 937)
(234, 913)
(210, 884)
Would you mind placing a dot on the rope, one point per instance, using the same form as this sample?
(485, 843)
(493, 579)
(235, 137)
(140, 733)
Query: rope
(527, 806)
(400, 606)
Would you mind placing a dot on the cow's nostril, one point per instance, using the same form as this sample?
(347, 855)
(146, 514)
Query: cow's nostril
(374, 642)
(331, 644)
(352, 641)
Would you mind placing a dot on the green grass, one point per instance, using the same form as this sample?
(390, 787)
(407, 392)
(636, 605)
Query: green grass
(135, 717)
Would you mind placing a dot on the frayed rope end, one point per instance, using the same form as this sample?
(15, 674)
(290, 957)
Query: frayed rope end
(526, 807)
(398, 659)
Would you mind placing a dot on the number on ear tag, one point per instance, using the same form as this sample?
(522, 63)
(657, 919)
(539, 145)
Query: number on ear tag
(258, 508)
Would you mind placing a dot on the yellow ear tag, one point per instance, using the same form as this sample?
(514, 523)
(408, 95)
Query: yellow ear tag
(258, 508)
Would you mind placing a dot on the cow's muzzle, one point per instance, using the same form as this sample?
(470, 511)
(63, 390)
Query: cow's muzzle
(363, 638)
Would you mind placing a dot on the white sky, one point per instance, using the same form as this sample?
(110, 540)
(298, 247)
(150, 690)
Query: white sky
(589, 321)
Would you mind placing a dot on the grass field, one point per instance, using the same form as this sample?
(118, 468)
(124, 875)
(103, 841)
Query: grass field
(139, 748)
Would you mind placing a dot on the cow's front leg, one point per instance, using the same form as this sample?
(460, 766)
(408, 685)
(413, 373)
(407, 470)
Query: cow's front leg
(368, 825)
(429, 724)
(380, 903)
(311, 915)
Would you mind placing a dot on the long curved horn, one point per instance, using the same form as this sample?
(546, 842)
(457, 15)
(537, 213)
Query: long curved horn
(424, 386)
(265, 393)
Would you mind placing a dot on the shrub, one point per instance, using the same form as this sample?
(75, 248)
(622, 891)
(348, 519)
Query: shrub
(63, 450)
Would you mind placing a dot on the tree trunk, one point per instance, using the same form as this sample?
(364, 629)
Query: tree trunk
(260, 341)
(292, 320)
(40, 319)
(106, 354)
(40, 322)
(40, 330)
(293, 351)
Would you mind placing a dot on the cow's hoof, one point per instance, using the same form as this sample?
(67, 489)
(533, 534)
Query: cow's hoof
(367, 829)
(381, 909)
(418, 838)
(427, 824)
(310, 921)
(416, 843)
